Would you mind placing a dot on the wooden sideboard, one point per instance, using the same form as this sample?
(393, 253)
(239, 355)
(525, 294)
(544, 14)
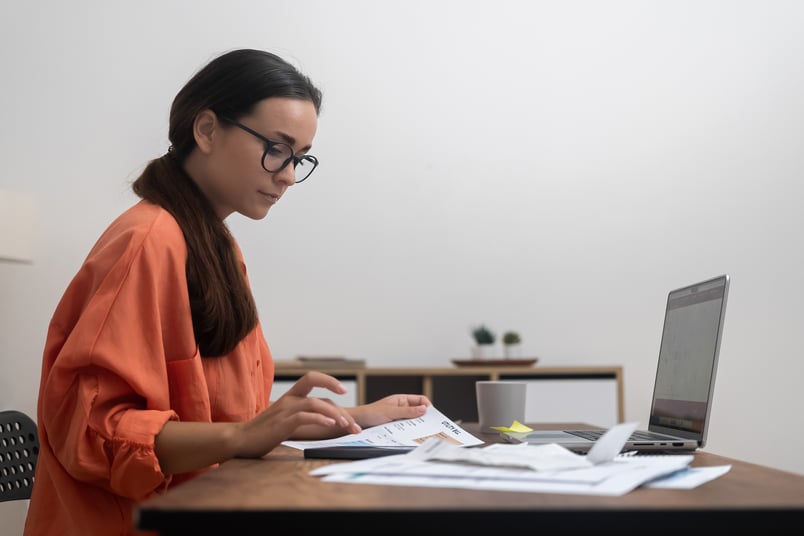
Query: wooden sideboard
(554, 393)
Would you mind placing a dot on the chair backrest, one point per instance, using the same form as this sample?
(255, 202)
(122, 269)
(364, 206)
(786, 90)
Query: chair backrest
(19, 449)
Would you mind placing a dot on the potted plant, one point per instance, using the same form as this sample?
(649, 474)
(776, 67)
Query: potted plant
(511, 341)
(484, 341)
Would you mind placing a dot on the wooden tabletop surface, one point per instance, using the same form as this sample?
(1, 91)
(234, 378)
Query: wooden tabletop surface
(280, 483)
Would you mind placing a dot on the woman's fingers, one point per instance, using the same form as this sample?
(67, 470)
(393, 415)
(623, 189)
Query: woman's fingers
(313, 379)
(413, 400)
(314, 410)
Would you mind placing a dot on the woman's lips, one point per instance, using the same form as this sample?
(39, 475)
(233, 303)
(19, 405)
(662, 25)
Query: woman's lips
(272, 198)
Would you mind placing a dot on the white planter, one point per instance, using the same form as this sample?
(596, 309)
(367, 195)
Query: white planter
(512, 351)
(484, 351)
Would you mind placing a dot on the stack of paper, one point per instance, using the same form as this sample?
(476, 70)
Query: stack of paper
(441, 460)
(546, 468)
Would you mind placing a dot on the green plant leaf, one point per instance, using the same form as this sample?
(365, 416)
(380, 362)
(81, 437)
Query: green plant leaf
(483, 335)
(511, 337)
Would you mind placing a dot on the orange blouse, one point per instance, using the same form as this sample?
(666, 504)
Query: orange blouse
(120, 360)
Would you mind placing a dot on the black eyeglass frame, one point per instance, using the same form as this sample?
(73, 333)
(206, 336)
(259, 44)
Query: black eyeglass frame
(269, 144)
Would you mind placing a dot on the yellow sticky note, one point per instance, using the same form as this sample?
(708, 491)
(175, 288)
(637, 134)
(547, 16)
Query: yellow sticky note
(516, 426)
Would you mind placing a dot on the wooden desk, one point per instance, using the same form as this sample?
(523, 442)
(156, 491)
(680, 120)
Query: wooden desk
(261, 496)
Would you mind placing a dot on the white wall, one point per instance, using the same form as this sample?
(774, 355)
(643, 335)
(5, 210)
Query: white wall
(550, 167)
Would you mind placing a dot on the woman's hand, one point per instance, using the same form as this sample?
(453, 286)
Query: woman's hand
(188, 446)
(390, 408)
(296, 414)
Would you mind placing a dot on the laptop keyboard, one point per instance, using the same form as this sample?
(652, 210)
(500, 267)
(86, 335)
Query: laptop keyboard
(638, 435)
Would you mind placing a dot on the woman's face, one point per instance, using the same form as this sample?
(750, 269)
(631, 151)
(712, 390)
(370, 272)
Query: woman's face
(233, 178)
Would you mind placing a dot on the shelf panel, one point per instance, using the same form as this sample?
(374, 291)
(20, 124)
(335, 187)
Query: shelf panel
(452, 389)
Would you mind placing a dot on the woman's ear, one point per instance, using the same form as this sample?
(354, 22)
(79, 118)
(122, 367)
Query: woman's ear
(204, 127)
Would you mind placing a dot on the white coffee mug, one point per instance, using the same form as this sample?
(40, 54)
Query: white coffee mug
(500, 403)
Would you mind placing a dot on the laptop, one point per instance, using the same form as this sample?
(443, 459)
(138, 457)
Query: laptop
(685, 377)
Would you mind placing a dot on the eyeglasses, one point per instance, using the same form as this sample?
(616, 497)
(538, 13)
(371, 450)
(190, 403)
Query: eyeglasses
(278, 155)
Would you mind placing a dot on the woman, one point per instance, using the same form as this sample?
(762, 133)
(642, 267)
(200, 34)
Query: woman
(155, 367)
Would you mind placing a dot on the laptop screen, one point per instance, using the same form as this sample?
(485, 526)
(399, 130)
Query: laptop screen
(685, 375)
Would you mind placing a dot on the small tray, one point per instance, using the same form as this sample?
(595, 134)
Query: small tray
(495, 362)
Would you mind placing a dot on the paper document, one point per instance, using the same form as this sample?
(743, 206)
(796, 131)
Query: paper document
(410, 432)
(536, 457)
(689, 478)
(617, 477)
(513, 467)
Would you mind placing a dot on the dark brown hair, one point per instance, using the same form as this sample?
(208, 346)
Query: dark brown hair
(231, 85)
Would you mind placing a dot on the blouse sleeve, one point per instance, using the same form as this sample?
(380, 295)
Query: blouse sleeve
(123, 321)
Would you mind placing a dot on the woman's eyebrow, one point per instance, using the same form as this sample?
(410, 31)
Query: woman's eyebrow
(290, 140)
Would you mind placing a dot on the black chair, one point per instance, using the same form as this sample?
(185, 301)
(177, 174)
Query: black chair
(19, 449)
